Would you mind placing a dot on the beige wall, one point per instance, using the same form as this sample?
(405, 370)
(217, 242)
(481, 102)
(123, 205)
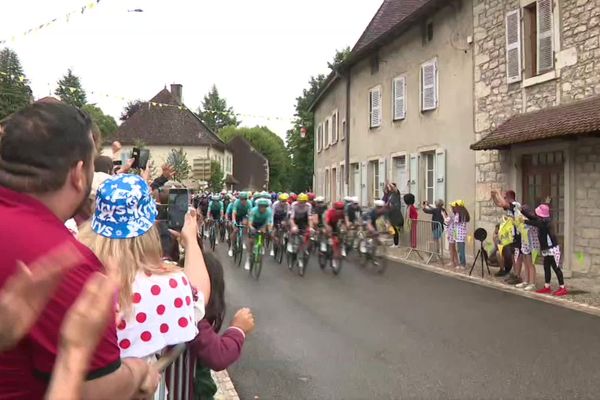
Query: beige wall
(449, 127)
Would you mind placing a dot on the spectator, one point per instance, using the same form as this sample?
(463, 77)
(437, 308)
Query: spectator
(438, 219)
(394, 204)
(40, 189)
(493, 252)
(530, 245)
(155, 298)
(550, 250)
(510, 238)
(413, 216)
(461, 219)
(451, 235)
(214, 351)
(103, 164)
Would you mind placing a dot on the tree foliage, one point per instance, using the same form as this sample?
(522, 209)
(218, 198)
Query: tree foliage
(70, 90)
(106, 123)
(215, 113)
(269, 145)
(15, 92)
(178, 159)
(131, 108)
(215, 183)
(301, 150)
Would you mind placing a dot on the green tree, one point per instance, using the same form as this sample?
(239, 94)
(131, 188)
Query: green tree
(106, 123)
(70, 90)
(215, 183)
(178, 159)
(301, 150)
(131, 108)
(269, 145)
(15, 92)
(215, 113)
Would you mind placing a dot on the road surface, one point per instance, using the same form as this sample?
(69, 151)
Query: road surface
(409, 334)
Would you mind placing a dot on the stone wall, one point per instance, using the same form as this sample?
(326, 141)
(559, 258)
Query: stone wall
(586, 238)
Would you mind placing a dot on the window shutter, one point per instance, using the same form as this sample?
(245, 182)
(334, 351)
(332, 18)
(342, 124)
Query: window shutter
(382, 175)
(364, 197)
(334, 128)
(375, 99)
(440, 174)
(326, 134)
(399, 90)
(429, 85)
(414, 176)
(343, 129)
(513, 46)
(319, 138)
(545, 45)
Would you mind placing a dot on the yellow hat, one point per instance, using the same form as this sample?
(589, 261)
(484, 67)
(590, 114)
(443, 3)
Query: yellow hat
(457, 203)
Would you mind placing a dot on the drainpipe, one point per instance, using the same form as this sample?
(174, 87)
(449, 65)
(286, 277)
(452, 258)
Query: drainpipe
(347, 133)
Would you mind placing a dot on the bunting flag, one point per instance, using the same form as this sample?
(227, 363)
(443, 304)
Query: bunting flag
(66, 18)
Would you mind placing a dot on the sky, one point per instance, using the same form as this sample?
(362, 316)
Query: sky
(260, 53)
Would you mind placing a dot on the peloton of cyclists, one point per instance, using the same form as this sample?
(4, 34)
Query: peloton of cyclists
(260, 219)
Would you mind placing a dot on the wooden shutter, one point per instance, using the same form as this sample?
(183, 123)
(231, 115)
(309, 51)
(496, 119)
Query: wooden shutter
(364, 195)
(334, 128)
(375, 107)
(513, 46)
(429, 85)
(382, 175)
(399, 91)
(545, 44)
(414, 176)
(343, 129)
(440, 174)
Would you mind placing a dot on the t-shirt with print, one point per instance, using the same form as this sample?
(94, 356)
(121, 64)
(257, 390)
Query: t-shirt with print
(30, 231)
(162, 314)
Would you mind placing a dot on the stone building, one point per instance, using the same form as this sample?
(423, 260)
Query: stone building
(537, 115)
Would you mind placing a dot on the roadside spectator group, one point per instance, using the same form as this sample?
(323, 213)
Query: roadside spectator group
(87, 300)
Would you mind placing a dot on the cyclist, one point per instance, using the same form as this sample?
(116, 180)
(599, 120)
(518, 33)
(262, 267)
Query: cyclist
(281, 210)
(260, 219)
(351, 212)
(215, 212)
(300, 219)
(241, 209)
(229, 217)
(371, 216)
(333, 218)
(318, 212)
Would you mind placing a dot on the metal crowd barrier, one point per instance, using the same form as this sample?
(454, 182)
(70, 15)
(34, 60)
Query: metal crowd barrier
(424, 239)
(177, 369)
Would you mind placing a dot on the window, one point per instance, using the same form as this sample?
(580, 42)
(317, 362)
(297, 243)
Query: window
(429, 159)
(513, 46)
(326, 189)
(334, 128)
(343, 129)
(400, 174)
(399, 100)
(429, 85)
(374, 179)
(326, 139)
(355, 179)
(341, 181)
(374, 65)
(320, 138)
(375, 107)
(428, 32)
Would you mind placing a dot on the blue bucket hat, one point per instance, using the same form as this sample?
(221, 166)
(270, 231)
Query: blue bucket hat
(124, 208)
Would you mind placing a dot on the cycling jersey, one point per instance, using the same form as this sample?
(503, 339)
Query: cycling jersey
(333, 217)
(259, 219)
(351, 211)
(216, 209)
(280, 212)
(319, 210)
(371, 216)
(240, 211)
(229, 211)
(300, 214)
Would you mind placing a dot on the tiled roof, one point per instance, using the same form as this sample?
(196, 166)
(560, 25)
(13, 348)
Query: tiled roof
(576, 118)
(166, 125)
(390, 16)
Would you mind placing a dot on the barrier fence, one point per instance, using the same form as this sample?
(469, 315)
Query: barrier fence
(424, 239)
(177, 374)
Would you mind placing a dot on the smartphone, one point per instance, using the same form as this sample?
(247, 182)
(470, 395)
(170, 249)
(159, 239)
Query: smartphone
(135, 154)
(125, 156)
(143, 158)
(179, 202)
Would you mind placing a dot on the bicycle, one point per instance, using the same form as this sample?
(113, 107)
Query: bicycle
(298, 252)
(348, 238)
(238, 245)
(257, 255)
(222, 230)
(372, 251)
(279, 244)
(330, 253)
(212, 235)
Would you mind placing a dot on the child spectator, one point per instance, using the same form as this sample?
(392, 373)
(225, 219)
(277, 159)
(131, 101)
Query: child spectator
(413, 215)
(550, 250)
(438, 219)
(214, 351)
(461, 218)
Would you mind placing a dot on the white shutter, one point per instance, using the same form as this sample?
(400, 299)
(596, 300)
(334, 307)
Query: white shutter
(382, 175)
(364, 197)
(375, 107)
(414, 176)
(343, 129)
(429, 85)
(440, 174)
(334, 128)
(320, 137)
(513, 46)
(545, 45)
(399, 91)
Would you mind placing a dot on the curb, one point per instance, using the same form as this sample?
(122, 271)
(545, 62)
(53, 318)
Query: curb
(565, 303)
(226, 389)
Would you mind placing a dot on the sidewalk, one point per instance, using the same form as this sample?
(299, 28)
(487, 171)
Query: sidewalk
(226, 390)
(584, 293)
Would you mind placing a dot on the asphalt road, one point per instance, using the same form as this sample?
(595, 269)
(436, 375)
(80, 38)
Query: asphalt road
(409, 334)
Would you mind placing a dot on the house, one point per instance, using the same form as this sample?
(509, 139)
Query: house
(399, 109)
(165, 123)
(537, 115)
(250, 168)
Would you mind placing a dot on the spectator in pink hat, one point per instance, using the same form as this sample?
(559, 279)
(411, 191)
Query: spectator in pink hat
(550, 250)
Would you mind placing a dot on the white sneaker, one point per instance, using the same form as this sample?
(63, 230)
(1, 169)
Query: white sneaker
(230, 253)
(521, 285)
(247, 265)
(334, 264)
(244, 246)
(531, 287)
(272, 254)
(343, 252)
(300, 263)
(216, 241)
(394, 246)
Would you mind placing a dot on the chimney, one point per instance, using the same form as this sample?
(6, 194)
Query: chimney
(177, 92)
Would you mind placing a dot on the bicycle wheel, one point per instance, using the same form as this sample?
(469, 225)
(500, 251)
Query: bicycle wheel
(322, 260)
(212, 237)
(256, 267)
(336, 266)
(279, 251)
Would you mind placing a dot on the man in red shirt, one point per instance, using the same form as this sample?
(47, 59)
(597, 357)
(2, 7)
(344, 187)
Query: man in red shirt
(333, 217)
(46, 168)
